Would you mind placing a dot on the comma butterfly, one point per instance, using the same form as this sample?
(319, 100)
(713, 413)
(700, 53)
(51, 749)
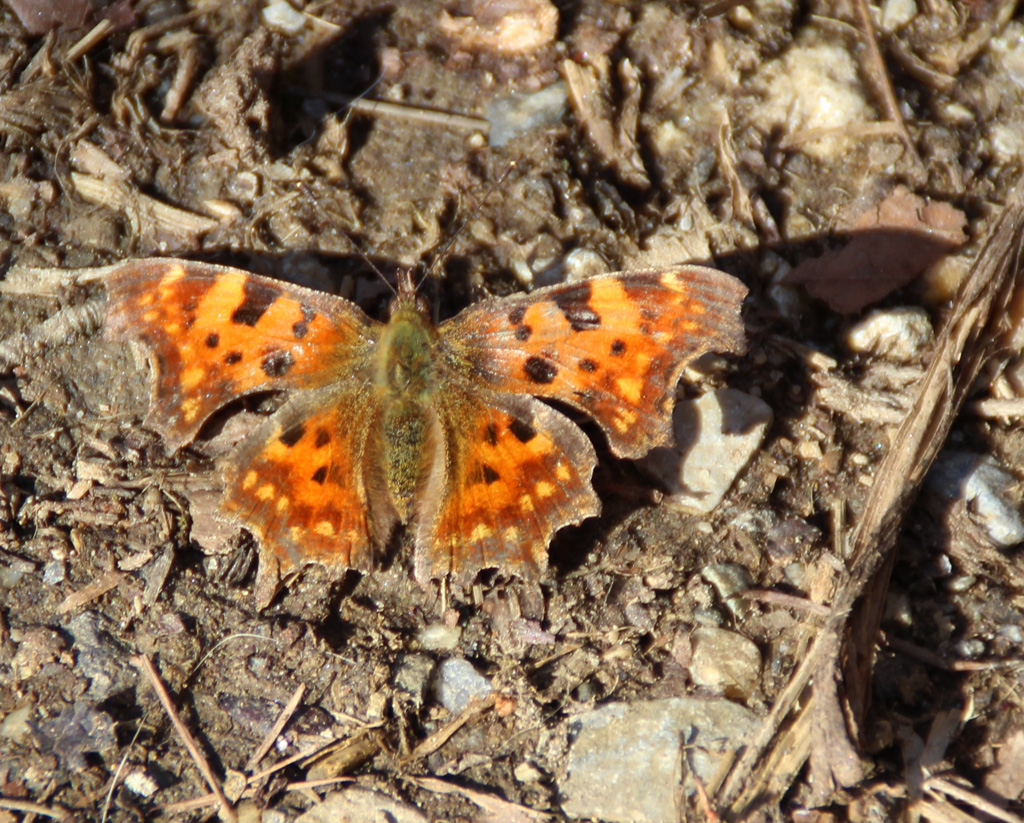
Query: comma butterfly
(434, 426)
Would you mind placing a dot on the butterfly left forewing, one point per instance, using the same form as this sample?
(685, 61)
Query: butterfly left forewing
(216, 334)
(612, 346)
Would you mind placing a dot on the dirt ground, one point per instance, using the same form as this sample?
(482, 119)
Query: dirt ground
(840, 159)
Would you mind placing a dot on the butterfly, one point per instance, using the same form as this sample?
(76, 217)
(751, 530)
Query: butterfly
(438, 427)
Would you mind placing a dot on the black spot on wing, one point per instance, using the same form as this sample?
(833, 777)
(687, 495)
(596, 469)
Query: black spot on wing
(515, 317)
(256, 299)
(574, 303)
(490, 475)
(491, 434)
(523, 432)
(618, 348)
(523, 333)
(320, 475)
(293, 435)
(277, 363)
(212, 340)
(588, 365)
(233, 357)
(323, 437)
(539, 370)
(301, 327)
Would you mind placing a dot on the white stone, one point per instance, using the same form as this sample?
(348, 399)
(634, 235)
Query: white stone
(140, 782)
(716, 435)
(897, 13)
(990, 492)
(814, 88)
(522, 113)
(899, 334)
(438, 637)
(284, 17)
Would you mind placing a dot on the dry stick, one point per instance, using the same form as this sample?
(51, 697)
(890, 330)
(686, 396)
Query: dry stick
(56, 812)
(143, 662)
(968, 338)
(441, 736)
(884, 87)
(930, 658)
(277, 728)
(940, 784)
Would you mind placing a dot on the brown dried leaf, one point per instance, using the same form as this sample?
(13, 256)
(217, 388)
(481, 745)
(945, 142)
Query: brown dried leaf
(890, 244)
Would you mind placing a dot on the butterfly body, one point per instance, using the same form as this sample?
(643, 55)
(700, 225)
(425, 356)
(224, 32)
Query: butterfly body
(438, 427)
(405, 381)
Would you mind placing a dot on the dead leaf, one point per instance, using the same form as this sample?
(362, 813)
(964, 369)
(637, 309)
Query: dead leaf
(890, 244)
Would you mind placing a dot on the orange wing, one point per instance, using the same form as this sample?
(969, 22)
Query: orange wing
(300, 482)
(216, 334)
(509, 472)
(612, 346)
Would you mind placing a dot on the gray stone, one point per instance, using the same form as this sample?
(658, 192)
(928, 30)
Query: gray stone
(725, 661)
(457, 684)
(360, 805)
(716, 435)
(99, 657)
(989, 491)
(625, 760)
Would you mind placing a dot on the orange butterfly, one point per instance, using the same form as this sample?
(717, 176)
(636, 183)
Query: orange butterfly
(437, 427)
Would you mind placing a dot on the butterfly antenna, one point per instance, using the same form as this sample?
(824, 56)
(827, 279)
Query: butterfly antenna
(461, 225)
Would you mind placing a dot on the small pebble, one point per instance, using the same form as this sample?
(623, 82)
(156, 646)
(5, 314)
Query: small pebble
(526, 772)
(284, 17)
(457, 684)
(899, 334)
(520, 114)
(140, 782)
(725, 661)
(988, 490)
(439, 638)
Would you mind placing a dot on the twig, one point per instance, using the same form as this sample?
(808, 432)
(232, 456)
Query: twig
(941, 785)
(98, 588)
(227, 810)
(56, 812)
(92, 38)
(276, 729)
(930, 658)
(788, 601)
(442, 736)
(884, 86)
(205, 800)
(415, 114)
(997, 407)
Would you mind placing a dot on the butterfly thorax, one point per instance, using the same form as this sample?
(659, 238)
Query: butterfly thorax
(405, 379)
